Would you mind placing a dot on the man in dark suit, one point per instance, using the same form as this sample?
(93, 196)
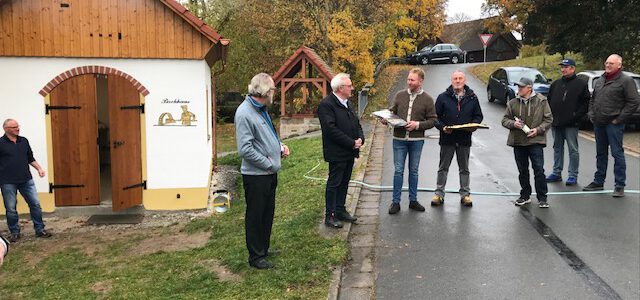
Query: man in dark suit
(342, 139)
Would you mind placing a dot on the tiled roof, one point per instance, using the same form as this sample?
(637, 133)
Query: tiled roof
(288, 70)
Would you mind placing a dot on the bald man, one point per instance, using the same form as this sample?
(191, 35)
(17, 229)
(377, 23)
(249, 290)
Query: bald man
(456, 106)
(15, 157)
(614, 99)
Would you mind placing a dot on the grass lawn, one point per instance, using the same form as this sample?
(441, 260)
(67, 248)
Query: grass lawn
(548, 65)
(226, 135)
(303, 269)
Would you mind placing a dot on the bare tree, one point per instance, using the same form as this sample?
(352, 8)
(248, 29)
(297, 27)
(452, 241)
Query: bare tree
(458, 17)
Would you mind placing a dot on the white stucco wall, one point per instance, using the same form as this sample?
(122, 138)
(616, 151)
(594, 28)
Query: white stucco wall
(177, 156)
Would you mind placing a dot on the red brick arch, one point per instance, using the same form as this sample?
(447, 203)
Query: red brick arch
(91, 70)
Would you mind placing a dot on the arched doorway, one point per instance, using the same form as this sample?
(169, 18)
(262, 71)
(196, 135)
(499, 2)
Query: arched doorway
(96, 141)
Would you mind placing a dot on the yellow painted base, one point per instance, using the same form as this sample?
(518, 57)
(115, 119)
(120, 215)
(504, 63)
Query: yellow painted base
(167, 199)
(47, 203)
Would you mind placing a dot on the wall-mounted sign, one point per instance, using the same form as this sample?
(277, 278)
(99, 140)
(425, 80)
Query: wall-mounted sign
(174, 101)
(186, 118)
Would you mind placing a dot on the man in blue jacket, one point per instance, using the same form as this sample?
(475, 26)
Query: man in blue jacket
(260, 149)
(456, 106)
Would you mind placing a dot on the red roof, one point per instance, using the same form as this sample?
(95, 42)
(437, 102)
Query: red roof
(288, 70)
(183, 12)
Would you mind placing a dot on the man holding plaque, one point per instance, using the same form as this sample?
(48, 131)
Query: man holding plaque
(458, 105)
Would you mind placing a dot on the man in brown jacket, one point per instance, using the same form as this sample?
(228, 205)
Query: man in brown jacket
(417, 108)
(528, 117)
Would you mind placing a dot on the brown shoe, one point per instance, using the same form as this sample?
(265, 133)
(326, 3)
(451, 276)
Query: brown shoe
(466, 201)
(43, 234)
(437, 200)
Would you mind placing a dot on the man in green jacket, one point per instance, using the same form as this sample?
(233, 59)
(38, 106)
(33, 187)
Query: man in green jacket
(528, 117)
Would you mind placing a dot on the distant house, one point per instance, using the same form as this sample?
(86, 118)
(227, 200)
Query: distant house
(466, 36)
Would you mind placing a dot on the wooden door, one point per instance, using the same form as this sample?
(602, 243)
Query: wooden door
(126, 158)
(74, 130)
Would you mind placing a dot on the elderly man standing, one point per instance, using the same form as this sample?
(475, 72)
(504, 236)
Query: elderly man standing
(456, 106)
(528, 117)
(416, 107)
(569, 102)
(15, 157)
(260, 149)
(342, 138)
(614, 98)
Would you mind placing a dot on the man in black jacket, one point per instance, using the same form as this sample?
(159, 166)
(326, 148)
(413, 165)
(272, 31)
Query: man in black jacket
(456, 106)
(569, 102)
(342, 138)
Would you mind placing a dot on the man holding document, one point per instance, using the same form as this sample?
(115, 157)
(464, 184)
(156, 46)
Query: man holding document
(416, 112)
(459, 115)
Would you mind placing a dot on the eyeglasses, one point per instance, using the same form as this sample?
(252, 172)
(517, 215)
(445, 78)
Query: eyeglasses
(13, 127)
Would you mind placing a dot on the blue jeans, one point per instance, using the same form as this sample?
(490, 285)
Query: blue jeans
(30, 195)
(400, 150)
(610, 135)
(534, 153)
(560, 135)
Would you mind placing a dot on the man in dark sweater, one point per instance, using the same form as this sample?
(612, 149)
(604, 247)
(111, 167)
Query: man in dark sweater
(415, 107)
(569, 102)
(614, 99)
(456, 106)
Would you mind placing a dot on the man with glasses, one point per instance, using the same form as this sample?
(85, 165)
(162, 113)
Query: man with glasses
(569, 102)
(528, 117)
(342, 138)
(261, 151)
(15, 157)
(614, 99)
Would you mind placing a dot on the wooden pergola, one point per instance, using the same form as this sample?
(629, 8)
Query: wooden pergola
(298, 71)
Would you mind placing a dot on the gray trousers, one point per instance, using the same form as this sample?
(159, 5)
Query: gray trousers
(462, 156)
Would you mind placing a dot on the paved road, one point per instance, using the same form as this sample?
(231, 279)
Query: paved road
(583, 247)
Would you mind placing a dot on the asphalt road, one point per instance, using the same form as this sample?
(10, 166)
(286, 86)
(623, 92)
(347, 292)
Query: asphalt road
(583, 247)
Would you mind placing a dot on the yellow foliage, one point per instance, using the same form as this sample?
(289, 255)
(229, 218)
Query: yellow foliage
(352, 47)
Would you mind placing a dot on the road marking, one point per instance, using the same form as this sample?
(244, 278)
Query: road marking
(571, 258)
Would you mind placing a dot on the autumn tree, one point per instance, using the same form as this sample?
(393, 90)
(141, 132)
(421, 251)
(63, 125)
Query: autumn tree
(508, 15)
(412, 21)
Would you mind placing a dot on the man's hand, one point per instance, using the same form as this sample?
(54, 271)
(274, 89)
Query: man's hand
(447, 130)
(358, 144)
(518, 124)
(615, 122)
(41, 172)
(285, 151)
(383, 121)
(411, 126)
(533, 133)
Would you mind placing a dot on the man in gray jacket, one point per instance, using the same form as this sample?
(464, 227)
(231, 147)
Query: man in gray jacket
(528, 117)
(615, 97)
(260, 149)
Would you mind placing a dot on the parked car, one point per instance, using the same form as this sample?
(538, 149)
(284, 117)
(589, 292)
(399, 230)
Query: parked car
(439, 52)
(592, 75)
(415, 58)
(502, 82)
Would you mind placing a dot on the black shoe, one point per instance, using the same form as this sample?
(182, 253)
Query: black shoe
(261, 264)
(415, 205)
(332, 221)
(345, 217)
(543, 204)
(593, 187)
(521, 201)
(43, 234)
(394, 208)
(14, 237)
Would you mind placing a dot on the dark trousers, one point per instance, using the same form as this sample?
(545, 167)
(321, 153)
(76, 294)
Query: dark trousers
(260, 193)
(337, 186)
(534, 153)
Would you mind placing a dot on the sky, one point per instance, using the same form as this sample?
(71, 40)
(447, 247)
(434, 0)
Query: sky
(469, 7)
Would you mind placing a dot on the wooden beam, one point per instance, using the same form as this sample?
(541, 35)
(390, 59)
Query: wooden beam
(303, 69)
(283, 107)
(304, 80)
